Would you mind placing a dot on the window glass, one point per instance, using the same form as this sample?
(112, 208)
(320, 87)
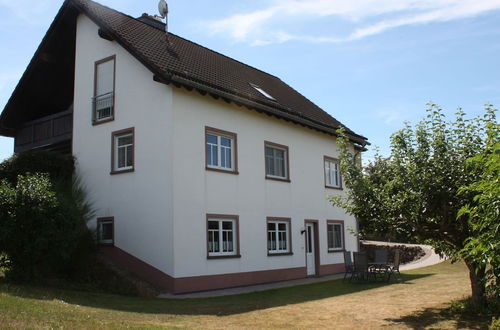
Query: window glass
(332, 173)
(220, 151)
(221, 237)
(104, 90)
(123, 152)
(277, 236)
(334, 236)
(276, 162)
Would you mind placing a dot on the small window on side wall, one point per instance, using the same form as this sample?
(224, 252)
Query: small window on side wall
(103, 102)
(276, 158)
(335, 238)
(332, 173)
(221, 150)
(123, 149)
(105, 231)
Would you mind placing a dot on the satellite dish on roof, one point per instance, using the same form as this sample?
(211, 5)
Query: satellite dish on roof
(163, 8)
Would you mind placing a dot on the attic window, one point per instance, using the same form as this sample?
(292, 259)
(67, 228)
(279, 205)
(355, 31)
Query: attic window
(263, 92)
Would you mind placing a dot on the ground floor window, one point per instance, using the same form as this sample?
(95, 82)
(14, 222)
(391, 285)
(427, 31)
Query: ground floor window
(222, 235)
(105, 230)
(335, 232)
(278, 236)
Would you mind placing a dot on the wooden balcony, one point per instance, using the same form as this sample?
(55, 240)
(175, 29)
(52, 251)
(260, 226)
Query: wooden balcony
(50, 132)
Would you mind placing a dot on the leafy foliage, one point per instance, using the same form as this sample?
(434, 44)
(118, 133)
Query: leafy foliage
(484, 210)
(415, 191)
(43, 218)
(58, 167)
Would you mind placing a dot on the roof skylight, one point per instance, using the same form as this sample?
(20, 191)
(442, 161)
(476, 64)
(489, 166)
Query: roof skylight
(263, 92)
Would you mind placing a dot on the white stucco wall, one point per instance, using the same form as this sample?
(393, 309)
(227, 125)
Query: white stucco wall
(160, 208)
(248, 194)
(141, 201)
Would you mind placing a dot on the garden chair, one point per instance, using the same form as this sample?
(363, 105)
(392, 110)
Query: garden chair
(349, 266)
(381, 256)
(394, 267)
(361, 271)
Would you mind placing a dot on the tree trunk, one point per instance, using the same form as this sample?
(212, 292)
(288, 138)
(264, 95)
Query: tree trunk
(477, 277)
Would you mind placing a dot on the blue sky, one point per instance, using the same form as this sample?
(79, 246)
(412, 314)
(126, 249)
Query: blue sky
(371, 64)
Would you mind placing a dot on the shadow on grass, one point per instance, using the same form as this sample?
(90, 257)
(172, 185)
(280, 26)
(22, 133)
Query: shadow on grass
(431, 317)
(218, 306)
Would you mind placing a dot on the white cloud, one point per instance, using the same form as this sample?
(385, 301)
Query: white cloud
(369, 17)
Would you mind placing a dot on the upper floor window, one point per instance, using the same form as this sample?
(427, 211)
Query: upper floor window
(221, 150)
(335, 232)
(222, 236)
(276, 161)
(104, 90)
(123, 151)
(332, 173)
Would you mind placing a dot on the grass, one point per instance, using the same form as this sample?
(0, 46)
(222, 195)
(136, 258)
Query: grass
(422, 301)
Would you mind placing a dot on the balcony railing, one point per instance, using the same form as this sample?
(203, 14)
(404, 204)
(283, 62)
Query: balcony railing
(45, 131)
(103, 107)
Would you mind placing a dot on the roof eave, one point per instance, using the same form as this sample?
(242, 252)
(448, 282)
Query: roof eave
(261, 107)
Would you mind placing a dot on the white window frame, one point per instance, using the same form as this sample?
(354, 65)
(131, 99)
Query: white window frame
(106, 221)
(129, 150)
(274, 147)
(331, 239)
(277, 232)
(220, 149)
(221, 232)
(333, 178)
(107, 98)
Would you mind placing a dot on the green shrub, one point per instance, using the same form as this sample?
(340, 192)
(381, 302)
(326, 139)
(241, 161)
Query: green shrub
(43, 232)
(58, 167)
(495, 324)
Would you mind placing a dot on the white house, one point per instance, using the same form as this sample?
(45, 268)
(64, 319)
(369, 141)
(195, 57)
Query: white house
(204, 172)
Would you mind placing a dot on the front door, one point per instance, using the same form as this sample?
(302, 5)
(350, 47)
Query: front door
(310, 249)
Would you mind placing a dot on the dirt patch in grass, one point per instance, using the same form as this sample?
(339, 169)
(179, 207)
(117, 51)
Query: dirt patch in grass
(417, 303)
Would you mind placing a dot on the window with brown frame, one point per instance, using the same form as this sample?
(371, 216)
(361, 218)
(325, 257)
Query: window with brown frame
(103, 102)
(122, 151)
(223, 236)
(276, 161)
(335, 235)
(221, 151)
(332, 173)
(279, 240)
(106, 230)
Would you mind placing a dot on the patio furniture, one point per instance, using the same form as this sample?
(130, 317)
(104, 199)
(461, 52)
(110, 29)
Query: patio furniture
(361, 270)
(349, 266)
(380, 267)
(394, 267)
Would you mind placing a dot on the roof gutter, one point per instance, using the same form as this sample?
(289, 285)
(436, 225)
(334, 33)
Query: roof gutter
(261, 107)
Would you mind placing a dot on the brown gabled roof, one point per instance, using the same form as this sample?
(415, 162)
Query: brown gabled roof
(185, 63)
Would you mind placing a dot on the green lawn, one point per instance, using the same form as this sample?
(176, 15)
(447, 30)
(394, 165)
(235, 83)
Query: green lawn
(420, 302)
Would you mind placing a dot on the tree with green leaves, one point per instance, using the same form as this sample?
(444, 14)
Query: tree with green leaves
(418, 190)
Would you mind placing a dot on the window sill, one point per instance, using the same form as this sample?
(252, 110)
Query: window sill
(224, 257)
(335, 188)
(280, 254)
(121, 171)
(336, 251)
(220, 170)
(104, 121)
(277, 179)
